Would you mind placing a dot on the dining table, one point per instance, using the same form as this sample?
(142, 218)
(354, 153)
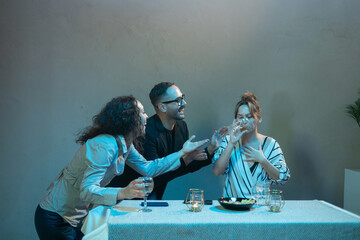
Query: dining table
(298, 219)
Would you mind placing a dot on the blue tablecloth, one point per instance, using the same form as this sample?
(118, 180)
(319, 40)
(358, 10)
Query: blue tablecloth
(298, 220)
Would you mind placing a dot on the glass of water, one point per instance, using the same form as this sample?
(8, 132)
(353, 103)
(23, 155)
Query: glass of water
(260, 191)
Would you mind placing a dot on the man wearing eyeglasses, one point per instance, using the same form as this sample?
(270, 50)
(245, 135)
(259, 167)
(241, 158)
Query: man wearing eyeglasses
(166, 132)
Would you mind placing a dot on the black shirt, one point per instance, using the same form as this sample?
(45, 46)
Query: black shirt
(160, 142)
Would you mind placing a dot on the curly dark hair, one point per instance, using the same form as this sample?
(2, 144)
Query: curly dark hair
(120, 116)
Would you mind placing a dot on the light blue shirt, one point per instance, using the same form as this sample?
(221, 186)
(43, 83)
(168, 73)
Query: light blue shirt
(82, 183)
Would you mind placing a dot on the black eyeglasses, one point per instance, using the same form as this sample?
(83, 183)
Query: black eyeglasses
(179, 100)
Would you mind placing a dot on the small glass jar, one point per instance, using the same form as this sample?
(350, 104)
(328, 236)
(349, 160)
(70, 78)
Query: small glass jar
(275, 200)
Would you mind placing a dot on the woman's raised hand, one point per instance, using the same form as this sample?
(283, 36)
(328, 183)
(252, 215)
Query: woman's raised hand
(218, 136)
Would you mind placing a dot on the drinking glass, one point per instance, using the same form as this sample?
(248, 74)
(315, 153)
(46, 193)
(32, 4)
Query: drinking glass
(243, 126)
(149, 185)
(260, 191)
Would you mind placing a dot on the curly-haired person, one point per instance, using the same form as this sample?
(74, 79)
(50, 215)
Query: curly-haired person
(106, 145)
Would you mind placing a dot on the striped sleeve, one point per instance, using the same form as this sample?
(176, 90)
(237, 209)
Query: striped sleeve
(220, 150)
(276, 157)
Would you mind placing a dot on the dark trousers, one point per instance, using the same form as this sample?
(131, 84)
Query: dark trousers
(51, 226)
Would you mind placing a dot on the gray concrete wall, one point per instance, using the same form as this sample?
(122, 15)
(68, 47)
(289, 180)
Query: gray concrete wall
(61, 61)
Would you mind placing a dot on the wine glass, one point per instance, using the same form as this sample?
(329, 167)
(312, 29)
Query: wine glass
(149, 185)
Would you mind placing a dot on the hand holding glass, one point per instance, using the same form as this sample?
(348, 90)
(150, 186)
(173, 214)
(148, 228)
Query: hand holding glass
(237, 129)
(149, 186)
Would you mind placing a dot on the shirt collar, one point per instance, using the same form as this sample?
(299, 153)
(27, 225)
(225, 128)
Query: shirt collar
(123, 144)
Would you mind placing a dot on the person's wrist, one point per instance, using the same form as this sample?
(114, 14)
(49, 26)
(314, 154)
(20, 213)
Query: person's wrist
(181, 153)
(263, 160)
(231, 142)
(121, 194)
(187, 160)
(211, 149)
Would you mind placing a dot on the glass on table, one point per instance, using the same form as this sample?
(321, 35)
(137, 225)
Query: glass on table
(195, 200)
(275, 200)
(260, 191)
(149, 185)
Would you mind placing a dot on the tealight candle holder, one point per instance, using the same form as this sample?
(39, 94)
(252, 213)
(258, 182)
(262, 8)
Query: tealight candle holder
(195, 200)
(275, 200)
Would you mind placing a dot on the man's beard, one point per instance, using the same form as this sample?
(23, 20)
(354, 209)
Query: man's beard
(178, 115)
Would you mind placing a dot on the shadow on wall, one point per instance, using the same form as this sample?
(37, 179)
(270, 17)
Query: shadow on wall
(297, 147)
(307, 181)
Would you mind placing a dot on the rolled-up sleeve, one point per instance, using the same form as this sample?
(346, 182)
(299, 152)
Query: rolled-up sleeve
(99, 157)
(219, 151)
(152, 168)
(277, 159)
